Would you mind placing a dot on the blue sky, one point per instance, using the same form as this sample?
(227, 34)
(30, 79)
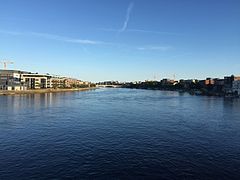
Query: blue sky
(125, 40)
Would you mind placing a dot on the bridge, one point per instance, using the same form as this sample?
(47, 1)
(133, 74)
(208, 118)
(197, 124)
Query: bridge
(108, 86)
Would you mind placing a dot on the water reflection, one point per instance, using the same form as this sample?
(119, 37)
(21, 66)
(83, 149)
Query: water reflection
(231, 107)
(232, 102)
(20, 103)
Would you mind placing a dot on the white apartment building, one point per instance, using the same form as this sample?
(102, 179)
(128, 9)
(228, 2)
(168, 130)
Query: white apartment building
(36, 81)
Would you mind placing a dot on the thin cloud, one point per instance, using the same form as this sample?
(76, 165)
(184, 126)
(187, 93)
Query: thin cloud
(65, 39)
(155, 48)
(11, 33)
(140, 31)
(129, 10)
(153, 32)
(55, 37)
(83, 41)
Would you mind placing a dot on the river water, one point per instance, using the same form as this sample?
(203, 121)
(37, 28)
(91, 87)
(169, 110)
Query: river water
(119, 134)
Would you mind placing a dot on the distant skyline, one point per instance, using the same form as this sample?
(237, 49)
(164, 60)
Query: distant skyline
(125, 40)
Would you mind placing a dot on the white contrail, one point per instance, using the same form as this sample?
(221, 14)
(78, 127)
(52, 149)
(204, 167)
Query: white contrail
(55, 37)
(65, 39)
(129, 10)
(140, 31)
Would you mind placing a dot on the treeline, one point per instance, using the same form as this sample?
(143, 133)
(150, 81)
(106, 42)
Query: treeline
(192, 88)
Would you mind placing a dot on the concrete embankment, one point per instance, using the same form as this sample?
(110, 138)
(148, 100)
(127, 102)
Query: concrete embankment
(39, 91)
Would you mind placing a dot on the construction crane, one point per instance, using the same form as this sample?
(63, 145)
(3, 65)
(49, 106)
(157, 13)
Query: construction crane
(5, 64)
(174, 77)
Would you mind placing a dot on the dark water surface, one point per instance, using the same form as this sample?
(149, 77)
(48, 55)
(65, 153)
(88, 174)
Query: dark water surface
(119, 134)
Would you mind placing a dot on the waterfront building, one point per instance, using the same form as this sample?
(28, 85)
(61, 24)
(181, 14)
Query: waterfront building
(218, 82)
(218, 85)
(209, 81)
(228, 83)
(191, 81)
(11, 80)
(187, 83)
(168, 82)
(58, 82)
(36, 81)
(236, 87)
(22, 80)
(65, 82)
(201, 83)
(73, 83)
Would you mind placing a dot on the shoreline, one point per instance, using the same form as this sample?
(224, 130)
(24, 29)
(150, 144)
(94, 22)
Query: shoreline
(192, 92)
(42, 91)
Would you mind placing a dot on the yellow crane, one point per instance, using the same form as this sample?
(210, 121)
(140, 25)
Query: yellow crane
(5, 63)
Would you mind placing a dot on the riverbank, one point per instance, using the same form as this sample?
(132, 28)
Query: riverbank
(197, 92)
(40, 91)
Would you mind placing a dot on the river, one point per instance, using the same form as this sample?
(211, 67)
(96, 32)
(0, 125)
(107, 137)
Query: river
(119, 134)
